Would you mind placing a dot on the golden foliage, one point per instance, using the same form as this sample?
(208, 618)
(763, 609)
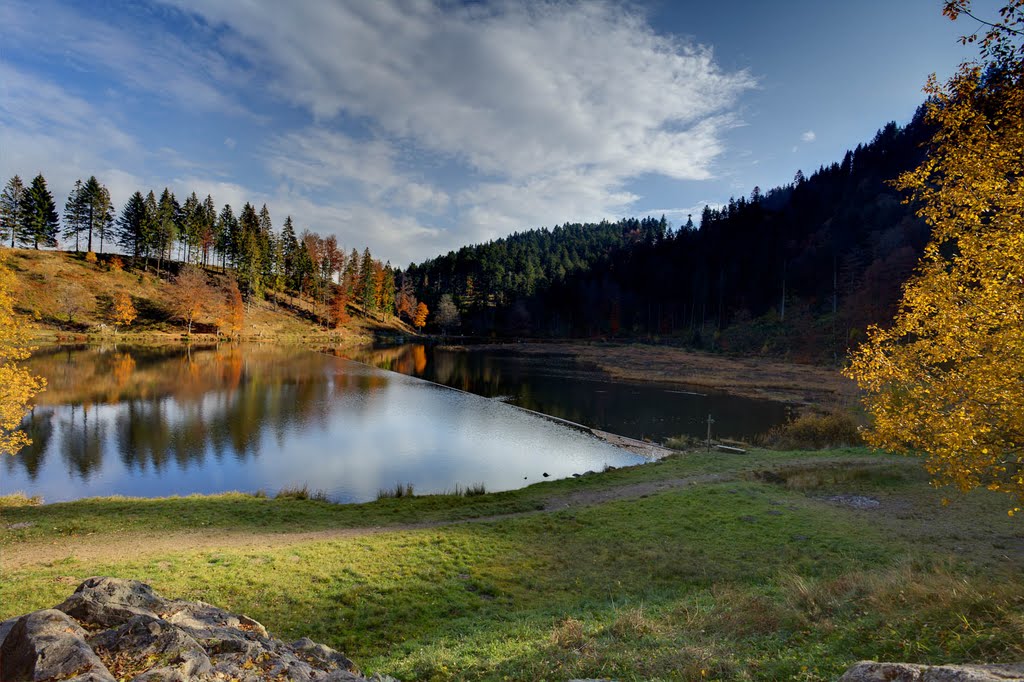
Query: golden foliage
(123, 309)
(193, 297)
(947, 378)
(17, 385)
(420, 318)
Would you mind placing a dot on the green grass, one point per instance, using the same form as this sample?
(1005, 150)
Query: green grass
(753, 577)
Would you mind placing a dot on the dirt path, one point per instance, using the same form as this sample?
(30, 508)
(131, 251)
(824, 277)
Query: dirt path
(139, 545)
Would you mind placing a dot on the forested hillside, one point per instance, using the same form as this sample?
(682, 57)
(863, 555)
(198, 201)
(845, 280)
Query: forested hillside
(800, 270)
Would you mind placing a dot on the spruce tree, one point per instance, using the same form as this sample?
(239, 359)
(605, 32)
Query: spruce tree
(131, 225)
(367, 285)
(289, 251)
(12, 210)
(41, 219)
(75, 214)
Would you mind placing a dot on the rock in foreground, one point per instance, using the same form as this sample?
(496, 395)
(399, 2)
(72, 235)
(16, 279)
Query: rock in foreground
(112, 629)
(869, 671)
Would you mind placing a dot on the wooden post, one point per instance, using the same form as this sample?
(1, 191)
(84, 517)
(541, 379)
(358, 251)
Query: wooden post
(710, 422)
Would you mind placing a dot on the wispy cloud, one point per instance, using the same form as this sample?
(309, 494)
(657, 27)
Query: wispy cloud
(808, 136)
(557, 105)
(444, 123)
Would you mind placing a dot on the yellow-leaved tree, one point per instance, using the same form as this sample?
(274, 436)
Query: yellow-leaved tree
(947, 378)
(17, 384)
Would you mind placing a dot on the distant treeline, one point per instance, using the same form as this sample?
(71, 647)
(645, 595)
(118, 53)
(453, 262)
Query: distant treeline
(801, 269)
(155, 230)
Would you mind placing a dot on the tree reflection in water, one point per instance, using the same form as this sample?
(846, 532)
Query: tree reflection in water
(169, 406)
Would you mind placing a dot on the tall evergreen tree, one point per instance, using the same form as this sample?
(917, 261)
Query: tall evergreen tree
(367, 283)
(289, 251)
(102, 215)
(208, 240)
(132, 225)
(191, 222)
(166, 226)
(41, 219)
(150, 227)
(12, 210)
(76, 214)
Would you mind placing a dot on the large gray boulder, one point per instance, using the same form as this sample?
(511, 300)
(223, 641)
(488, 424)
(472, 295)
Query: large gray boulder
(112, 629)
(870, 671)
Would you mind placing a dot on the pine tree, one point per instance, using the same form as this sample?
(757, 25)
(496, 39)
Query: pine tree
(227, 233)
(150, 227)
(41, 219)
(367, 284)
(209, 228)
(166, 226)
(76, 214)
(132, 225)
(289, 250)
(99, 209)
(191, 227)
(12, 210)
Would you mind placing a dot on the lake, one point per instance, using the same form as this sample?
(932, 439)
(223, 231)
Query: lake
(156, 422)
(559, 386)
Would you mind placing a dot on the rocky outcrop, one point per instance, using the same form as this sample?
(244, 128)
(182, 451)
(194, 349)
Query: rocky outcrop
(869, 671)
(112, 629)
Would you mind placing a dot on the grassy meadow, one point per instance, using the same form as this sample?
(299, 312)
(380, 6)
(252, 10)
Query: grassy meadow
(697, 567)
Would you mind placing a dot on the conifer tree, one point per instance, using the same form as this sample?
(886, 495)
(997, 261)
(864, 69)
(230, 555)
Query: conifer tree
(166, 226)
(12, 210)
(367, 285)
(97, 204)
(132, 224)
(41, 221)
(289, 251)
(76, 214)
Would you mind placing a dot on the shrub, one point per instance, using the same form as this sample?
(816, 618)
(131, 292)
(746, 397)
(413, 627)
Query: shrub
(116, 264)
(814, 431)
(90, 257)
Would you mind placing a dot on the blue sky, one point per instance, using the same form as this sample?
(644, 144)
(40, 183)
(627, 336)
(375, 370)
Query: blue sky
(417, 126)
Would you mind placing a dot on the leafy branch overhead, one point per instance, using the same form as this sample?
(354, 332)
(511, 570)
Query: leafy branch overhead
(947, 378)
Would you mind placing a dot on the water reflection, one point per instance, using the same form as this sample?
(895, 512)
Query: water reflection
(144, 421)
(560, 387)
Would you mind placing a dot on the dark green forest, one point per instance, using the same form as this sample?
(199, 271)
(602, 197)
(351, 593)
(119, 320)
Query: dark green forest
(799, 270)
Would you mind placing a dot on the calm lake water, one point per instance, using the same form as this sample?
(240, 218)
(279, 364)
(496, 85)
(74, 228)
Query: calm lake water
(145, 422)
(558, 386)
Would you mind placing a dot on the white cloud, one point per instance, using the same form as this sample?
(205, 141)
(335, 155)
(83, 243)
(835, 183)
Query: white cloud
(50, 131)
(157, 63)
(808, 136)
(408, 124)
(557, 105)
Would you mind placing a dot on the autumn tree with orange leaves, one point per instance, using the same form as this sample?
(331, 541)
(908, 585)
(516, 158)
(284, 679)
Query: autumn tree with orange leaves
(233, 319)
(947, 378)
(420, 317)
(339, 307)
(123, 310)
(193, 297)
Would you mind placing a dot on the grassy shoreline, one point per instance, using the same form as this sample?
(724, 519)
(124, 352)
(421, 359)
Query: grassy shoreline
(698, 566)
